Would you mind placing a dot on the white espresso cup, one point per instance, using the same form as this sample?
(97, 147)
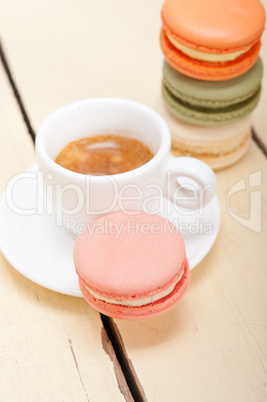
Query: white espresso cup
(78, 199)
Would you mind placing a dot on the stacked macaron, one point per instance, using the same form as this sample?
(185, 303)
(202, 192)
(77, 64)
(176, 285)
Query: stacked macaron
(211, 76)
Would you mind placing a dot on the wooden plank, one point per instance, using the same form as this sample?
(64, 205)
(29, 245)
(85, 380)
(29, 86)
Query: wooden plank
(67, 52)
(50, 344)
(213, 346)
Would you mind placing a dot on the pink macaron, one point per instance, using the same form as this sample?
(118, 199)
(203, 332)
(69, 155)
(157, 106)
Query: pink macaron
(131, 266)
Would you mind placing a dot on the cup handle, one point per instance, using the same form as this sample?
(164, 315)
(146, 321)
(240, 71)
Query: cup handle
(191, 183)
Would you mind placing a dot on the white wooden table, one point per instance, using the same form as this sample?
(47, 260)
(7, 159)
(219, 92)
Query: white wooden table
(53, 347)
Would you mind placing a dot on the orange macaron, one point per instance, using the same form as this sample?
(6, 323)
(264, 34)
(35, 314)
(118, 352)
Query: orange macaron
(212, 40)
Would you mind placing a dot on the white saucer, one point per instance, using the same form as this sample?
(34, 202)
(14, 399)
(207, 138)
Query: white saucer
(42, 252)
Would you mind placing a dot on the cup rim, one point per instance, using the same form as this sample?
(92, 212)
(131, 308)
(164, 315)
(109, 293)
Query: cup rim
(164, 148)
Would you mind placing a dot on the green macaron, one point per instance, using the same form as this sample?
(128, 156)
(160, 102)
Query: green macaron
(211, 102)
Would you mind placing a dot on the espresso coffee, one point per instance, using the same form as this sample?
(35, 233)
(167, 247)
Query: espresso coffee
(104, 155)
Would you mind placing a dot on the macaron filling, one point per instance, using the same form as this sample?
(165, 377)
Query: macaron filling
(203, 56)
(137, 302)
(207, 115)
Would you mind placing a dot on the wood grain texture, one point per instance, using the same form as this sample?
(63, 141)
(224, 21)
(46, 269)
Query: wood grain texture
(211, 347)
(61, 52)
(50, 344)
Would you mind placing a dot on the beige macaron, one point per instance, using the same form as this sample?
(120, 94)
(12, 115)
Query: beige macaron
(219, 146)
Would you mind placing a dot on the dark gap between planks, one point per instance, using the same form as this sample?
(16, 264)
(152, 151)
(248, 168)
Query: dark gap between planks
(108, 323)
(126, 365)
(16, 93)
(259, 142)
(255, 137)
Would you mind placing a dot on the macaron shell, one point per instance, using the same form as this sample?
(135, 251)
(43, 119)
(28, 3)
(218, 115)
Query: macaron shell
(216, 149)
(213, 94)
(127, 256)
(209, 25)
(137, 313)
(208, 71)
(218, 146)
(209, 116)
(220, 161)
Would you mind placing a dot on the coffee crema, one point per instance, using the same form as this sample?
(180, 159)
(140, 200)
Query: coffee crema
(104, 155)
